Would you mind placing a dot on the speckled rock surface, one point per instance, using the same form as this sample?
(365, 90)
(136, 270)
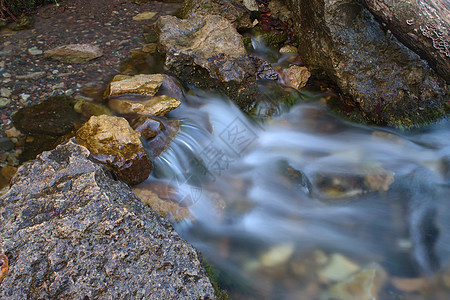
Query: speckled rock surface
(424, 26)
(389, 83)
(206, 51)
(115, 144)
(72, 232)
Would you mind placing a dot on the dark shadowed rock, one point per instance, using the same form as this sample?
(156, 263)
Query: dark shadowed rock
(387, 81)
(423, 26)
(54, 116)
(72, 232)
(207, 51)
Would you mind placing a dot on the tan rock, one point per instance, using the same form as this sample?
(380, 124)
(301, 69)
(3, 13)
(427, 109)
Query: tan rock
(277, 255)
(115, 144)
(338, 268)
(157, 106)
(288, 49)
(164, 207)
(410, 285)
(90, 108)
(362, 285)
(13, 132)
(146, 15)
(8, 172)
(142, 84)
(379, 180)
(74, 53)
(296, 76)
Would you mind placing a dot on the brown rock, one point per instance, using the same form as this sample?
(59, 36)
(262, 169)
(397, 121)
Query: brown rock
(410, 285)
(4, 267)
(156, 106)
(142, 84)
(157, 133)
(115, 144)
(162, 206)
(296, 76)
(74, 53)
(8, 172)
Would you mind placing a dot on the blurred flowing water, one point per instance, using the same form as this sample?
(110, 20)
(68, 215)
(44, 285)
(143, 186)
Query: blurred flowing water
(274, 202)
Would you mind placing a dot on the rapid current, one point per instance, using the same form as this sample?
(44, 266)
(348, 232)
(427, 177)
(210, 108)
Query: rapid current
(276, 203)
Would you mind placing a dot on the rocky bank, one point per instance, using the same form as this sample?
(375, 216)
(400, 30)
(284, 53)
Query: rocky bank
(71, 231)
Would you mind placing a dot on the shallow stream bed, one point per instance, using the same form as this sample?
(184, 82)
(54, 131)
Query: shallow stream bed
(308, 206)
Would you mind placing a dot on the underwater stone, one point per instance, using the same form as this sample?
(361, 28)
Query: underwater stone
(362, 285)
(156, 132)
(338, 268)
(115, 144)
(165, 207)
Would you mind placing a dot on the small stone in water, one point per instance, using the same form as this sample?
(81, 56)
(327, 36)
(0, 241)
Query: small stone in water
(277, 255)
(410, 285)
(338, 268)
(361, 285)
(288, 50)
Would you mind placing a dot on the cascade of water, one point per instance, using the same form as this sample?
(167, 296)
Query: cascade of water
(307, 180)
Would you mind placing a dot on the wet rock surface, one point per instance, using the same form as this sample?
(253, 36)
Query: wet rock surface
(157, 133)
(207, 51)
(72, 232)
(423, 26)
(143, 84)
(53, 116)
(388, 82)
(74, 53)
(115, 144)
(233, 10)
(156, 106)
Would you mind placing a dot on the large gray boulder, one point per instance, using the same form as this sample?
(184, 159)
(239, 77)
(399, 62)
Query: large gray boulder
(207, 52)
(389, 83)
(72, 232)
(423, 26)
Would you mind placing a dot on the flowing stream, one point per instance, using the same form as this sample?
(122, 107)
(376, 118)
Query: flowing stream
(306, 205)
